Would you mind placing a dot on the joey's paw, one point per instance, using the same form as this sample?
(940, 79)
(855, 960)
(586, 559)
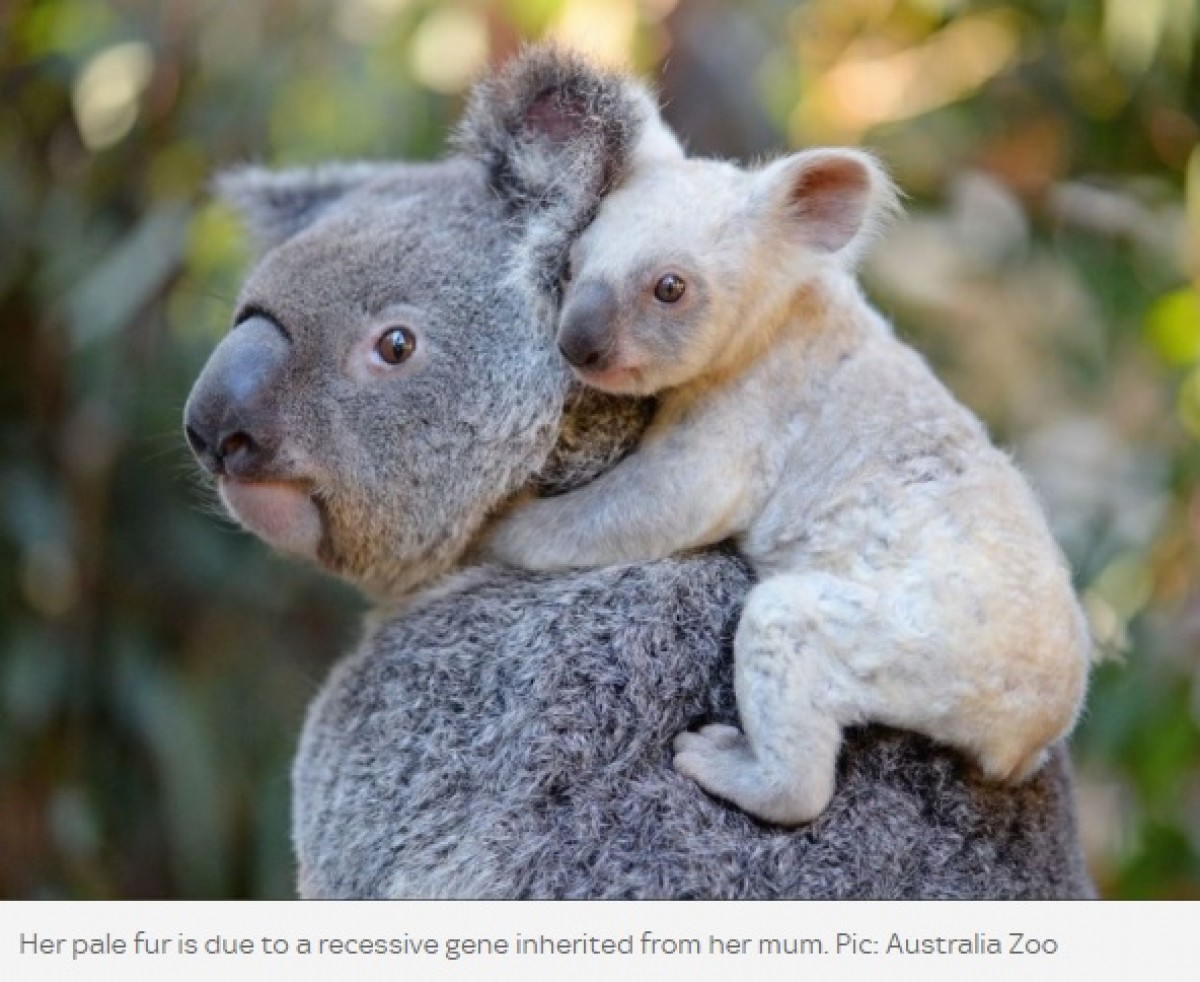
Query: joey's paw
(715, 757)
(488, 548)
(491, 546)
(722, 761)
(511, 539)
(515, 542)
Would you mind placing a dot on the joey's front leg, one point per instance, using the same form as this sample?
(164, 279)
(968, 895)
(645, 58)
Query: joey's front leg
(659, 501)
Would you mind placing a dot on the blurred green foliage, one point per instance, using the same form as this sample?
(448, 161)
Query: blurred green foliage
(154, 663)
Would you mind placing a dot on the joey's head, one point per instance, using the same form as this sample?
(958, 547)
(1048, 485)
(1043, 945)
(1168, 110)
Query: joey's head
(691, 264)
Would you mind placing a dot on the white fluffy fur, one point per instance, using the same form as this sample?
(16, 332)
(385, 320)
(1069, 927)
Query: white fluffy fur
(907, 574)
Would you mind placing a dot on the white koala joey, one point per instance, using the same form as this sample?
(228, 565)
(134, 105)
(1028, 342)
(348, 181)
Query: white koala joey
(907, 575)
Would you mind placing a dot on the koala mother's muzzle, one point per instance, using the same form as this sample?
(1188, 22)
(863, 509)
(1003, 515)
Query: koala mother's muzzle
(229, 420)
(234, 426)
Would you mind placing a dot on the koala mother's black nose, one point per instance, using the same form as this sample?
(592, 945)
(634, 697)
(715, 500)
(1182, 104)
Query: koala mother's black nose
(237, 447)
(587, 331)
(230, 421)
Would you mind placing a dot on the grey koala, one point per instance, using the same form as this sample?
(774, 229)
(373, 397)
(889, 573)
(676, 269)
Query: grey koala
(389, 385)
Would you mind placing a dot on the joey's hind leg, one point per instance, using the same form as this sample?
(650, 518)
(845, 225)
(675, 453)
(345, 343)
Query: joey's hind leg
(792, 689)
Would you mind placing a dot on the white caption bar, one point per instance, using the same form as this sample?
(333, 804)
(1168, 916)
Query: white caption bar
(919, 941)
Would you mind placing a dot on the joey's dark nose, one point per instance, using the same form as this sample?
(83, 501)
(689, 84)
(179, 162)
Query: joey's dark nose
(587, 331)
(231, 420)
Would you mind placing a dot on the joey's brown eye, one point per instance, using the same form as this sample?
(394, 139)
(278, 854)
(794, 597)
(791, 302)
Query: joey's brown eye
(670, 288)
(566, 271)
(396, 345)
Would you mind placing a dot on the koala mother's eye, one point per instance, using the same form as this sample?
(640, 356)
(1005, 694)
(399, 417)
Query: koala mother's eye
(396, 345)
(669, 288)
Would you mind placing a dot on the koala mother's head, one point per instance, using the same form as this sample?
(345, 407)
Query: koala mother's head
(390, 377)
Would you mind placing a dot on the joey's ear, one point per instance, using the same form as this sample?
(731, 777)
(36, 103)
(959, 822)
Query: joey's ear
(277, 204)
(834, 199)
(549, 124)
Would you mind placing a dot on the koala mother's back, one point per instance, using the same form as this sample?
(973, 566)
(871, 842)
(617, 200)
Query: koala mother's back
(509, 738)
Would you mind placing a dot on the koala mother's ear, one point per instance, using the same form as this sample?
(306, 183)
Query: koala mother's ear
(550, 126)
(275, 205)
(835, 199)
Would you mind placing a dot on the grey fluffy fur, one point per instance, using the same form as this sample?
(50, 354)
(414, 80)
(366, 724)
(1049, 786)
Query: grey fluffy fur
(278, 205)
(507, 734)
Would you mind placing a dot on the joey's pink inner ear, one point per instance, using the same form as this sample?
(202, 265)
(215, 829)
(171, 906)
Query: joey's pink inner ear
(829, 196)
